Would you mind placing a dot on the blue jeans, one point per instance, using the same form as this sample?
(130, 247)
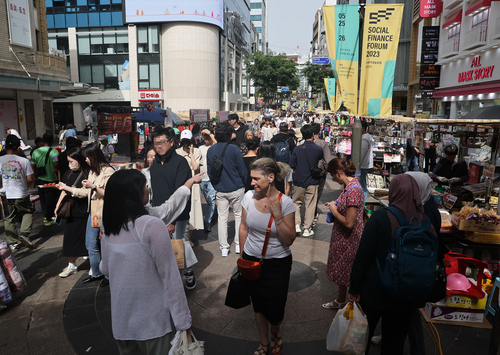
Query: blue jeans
(209, 193)
(409, 163)
(92, 245)
(362, 181)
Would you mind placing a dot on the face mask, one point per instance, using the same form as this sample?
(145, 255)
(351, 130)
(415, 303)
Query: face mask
(186, 143)
(74, 167)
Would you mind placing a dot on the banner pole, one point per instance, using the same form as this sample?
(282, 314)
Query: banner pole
(356, 127)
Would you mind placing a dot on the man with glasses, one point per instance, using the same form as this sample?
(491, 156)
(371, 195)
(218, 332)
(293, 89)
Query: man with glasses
(170, 171)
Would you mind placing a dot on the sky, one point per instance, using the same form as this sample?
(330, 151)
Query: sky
(290, 24)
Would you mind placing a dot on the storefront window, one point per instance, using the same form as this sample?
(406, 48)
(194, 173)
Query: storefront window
(463, 108)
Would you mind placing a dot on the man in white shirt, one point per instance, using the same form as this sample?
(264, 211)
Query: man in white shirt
(107, 148)
(17, 173)
(366, 163)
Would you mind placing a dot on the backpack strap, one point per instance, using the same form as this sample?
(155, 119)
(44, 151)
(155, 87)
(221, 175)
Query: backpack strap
(401, 219)
(224, 151)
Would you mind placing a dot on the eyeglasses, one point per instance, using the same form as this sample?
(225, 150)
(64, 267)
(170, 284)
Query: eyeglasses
(159, 143)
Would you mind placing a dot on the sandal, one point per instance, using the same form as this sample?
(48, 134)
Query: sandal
(262, 350)
(278, 343)
(334, 305)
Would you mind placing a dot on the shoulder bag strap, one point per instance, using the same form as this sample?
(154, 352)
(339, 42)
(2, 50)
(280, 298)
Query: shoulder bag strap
(47, 156)
(307, 156)
(78, 177)
(224, 151)
(268, 231)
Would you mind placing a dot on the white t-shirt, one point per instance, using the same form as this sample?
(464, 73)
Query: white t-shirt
(14, 170)
(366, 151)
(257, 223)
(203, 168)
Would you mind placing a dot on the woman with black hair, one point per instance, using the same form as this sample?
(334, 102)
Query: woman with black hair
(268, 150)
(74, 231)
(93, 188)
(146, 288)
(252, 147)
(150, 157)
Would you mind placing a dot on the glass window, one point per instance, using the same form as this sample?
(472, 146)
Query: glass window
(50, 21)
(105, 2)
(256, 5)
(255, 17)
(259, 29)
(154, 75)
(49, 3)
(59, 21)
(143, 71)
(116, 18)
(110, 70)
(109, 38)
(98, 74)
(70, 3)
(52, 42)
(83, 45)
(105, 19)
(81, 2)
(142, 34)
(94, 19)
(85, 73)
(83, 19)
(71, 20)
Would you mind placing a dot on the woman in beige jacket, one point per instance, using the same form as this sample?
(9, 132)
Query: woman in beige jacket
(93, 189)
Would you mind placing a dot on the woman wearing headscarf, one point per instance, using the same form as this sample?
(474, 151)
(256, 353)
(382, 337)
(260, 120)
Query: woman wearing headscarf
(366, 285)
(425, 189)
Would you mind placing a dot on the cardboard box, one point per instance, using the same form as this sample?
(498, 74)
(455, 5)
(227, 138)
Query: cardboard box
(475, 226)
(439, 311)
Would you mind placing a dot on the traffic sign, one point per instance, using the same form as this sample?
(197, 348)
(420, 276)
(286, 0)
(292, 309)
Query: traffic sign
(284, 89)
(321, 60)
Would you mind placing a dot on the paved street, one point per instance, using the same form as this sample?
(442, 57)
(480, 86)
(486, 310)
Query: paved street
(64, 316)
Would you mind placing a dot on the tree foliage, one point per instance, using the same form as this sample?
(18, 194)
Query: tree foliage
(316, 75)
(269, 71)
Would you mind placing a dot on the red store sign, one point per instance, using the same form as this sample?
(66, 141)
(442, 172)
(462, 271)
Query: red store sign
(150, 95)
(430, 8)
(476, 74)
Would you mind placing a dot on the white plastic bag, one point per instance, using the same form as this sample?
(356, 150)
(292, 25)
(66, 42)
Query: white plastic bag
(349, 331)
(189, 256)
(185, 343)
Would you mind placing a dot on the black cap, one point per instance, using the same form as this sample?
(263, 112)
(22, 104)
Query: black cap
(12, 142)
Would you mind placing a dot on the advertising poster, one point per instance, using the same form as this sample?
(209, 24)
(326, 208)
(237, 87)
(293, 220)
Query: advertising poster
(222, 115)
(114, 123)
(330, 92)
(380, 48)
(19, 23)
(207, 11)
(342, 35)
(199, 115)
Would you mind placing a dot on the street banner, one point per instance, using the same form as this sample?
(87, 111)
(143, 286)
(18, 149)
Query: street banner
(342, 35)
(330, 92)
(222, 116)
(199, 115)
(380, 48)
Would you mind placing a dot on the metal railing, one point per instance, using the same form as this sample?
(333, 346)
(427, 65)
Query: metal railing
(451, 46)
(476, 37)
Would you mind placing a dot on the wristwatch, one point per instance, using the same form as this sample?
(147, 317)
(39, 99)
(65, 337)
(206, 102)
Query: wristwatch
(94, 188)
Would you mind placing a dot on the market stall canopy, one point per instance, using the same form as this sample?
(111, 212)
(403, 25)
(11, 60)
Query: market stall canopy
(488, 113)
(154, 116)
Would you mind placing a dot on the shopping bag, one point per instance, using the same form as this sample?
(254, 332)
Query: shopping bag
(187, 345)
(5, 295)
(237, 295)
(96, 212)
(189, 256)
(178, 247)
(11, 269)
(349, 331)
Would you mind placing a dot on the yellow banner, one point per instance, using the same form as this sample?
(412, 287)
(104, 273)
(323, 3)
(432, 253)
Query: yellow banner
(380, 47)
(342, 35)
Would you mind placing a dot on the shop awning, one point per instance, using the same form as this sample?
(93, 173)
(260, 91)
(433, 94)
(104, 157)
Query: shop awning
(453, 19)
(469, 90)
(477, 6)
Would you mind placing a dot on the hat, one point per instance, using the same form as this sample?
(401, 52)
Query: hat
(12, 142)
(186, 134)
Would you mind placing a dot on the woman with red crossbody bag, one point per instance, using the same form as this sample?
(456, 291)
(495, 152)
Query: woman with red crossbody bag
(267, 231)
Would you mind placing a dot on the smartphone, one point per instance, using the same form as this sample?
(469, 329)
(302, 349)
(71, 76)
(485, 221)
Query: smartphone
(58, 220)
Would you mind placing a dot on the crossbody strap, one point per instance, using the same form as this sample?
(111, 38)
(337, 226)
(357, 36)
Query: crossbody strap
(307, 157)
(224, 151)
(47, 156)
(268, 231)
(78, 178)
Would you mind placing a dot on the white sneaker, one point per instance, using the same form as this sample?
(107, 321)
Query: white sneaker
(68, 271)
(90, 272)
(26, 241)
(237, 249)
(297, 228)
(225, 252)
(306, 233)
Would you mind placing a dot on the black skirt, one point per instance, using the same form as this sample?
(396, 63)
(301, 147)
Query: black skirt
(270, 291)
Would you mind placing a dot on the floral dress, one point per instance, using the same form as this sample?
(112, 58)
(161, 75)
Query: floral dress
(344, 242)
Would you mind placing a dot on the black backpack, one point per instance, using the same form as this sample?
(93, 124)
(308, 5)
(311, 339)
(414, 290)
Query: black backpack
(283, 153)
(216, 168)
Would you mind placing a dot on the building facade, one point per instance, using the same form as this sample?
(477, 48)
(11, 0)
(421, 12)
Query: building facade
(468, 54)
(189, 58)
(258, 16)
(30, 76)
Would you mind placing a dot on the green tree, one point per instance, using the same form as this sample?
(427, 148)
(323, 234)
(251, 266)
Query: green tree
(316, 75)
(270, 71)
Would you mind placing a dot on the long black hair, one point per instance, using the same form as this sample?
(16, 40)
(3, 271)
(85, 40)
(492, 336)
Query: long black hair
(76, 154)
(123, 200)
(96, 157)
(267, 150)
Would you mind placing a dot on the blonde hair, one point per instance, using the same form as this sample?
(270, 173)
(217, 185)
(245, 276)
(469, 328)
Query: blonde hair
(268, 166)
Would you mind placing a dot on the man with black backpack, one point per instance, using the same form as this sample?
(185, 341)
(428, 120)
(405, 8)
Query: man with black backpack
(284, 144)
(44, 164)
(228, 174)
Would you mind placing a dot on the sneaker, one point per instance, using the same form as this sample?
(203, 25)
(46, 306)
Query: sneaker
(68, 271)
(49, 223)
(225, 252)
(237, 249)
(45, 220)
(26, 241)
(190, 279)
(90, 272)
(297, 228)
(316, 218)
(16, 246)
(306, 233)
(377, 339)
